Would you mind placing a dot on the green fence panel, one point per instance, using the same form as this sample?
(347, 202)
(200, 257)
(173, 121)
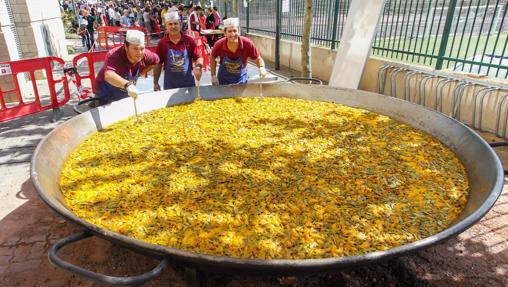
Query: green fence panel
(461, 35)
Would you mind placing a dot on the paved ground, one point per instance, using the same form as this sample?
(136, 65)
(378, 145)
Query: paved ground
(28, 228)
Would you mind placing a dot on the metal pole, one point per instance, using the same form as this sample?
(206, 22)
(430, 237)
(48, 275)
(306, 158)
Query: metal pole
(225, 8)
(335, 22)
(235, 8)
(446, 33)
(278, 21)
(248, 18)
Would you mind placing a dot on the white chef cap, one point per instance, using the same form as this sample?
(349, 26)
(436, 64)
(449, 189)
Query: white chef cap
(135, 37)
(172, 15)
(231, 22)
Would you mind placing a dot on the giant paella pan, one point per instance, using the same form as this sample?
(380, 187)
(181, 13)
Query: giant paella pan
(482, 166)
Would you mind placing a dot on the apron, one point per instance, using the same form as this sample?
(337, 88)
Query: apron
(109, 93)
(232, 71)
(178, 72)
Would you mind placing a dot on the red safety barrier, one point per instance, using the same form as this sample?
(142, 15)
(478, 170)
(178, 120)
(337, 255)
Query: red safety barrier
(202, 44)
(91, 58)
(90, 73)
(31, 66)
(77, 73)
(113, 36)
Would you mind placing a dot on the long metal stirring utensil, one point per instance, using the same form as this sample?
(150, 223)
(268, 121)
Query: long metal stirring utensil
(135, 109)
(199, 94)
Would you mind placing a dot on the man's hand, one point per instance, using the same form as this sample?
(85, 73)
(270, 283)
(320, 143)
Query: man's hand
(197, 73)
(132, 91)
(262, 72)
(215, 81)
(156, 87)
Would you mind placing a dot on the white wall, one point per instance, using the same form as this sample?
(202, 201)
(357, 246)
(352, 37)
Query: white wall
(290, 55)
(8, 48)
(40, 28)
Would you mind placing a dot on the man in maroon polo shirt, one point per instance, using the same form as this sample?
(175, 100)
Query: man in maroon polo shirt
(234, 51)
(123, 66)
(177, 53)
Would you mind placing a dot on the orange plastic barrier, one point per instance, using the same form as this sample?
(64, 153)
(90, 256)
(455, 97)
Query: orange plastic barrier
(30, 67)
(113, 36)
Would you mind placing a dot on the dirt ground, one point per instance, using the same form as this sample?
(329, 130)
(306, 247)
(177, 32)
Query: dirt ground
(28, 228)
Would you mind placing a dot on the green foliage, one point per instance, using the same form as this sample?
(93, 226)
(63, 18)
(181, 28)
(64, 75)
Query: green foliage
(70, 22)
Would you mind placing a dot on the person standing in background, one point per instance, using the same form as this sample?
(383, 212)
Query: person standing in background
(183, 18)
(147, 20)
(194, 19)
(164, 11)
(202, 19)
(111, 15)
(216, 15)
(82, 29)
(139, 16)
(117, 17)
(92, 25)
(125, 21)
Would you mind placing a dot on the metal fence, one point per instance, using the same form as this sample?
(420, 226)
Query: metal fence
(259, 17)
(469, 36)
(461, 35)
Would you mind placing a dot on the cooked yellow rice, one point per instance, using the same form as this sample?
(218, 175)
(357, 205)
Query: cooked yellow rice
(266, 178)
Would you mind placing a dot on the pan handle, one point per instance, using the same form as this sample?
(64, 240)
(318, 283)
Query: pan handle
(97, 277)
(82, 102)
(299, 79)
(499, 144)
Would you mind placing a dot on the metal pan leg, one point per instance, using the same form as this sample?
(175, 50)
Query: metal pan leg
(97, 277)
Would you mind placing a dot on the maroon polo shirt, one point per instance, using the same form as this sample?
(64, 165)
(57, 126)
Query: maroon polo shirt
(246, 48)
(186, 42)
(116, 60)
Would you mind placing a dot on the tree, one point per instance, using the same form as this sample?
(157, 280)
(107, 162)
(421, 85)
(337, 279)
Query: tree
(306, 36)
(235, 9)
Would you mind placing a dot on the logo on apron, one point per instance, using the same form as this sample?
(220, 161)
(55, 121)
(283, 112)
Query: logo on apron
(232, 71)
(178, 70)
(233, 67)
(178, 63)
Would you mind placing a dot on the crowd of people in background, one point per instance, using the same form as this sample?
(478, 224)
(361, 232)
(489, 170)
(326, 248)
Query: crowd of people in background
(147, 14)
(182, 53)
